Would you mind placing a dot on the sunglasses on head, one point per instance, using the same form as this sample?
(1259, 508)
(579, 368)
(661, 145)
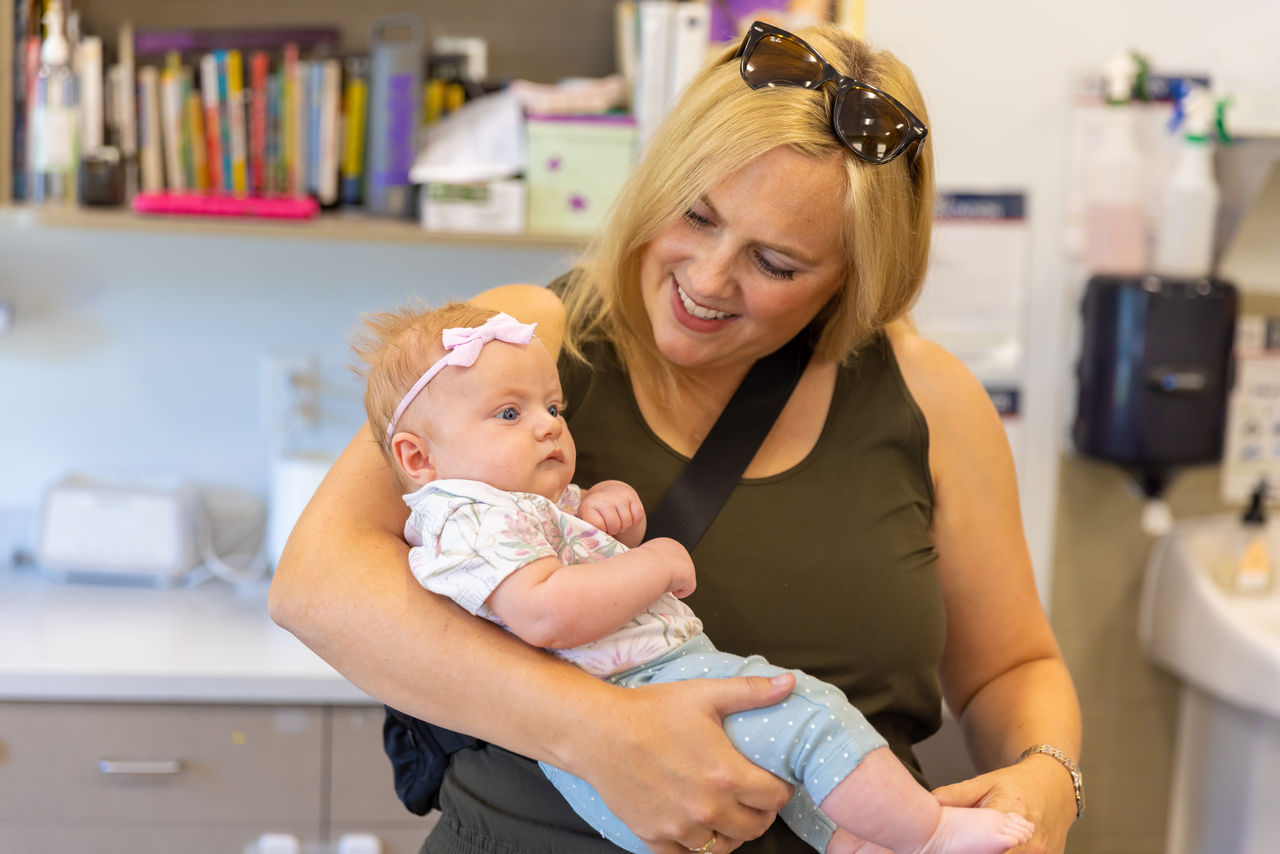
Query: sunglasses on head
(871, 123)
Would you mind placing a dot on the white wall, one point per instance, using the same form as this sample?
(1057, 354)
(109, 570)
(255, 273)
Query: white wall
(141, 352)
(997, 77)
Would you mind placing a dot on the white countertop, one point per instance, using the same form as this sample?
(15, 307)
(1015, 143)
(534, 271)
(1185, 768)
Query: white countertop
(82, 641)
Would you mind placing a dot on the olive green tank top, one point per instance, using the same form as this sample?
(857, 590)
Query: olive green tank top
(827, 567)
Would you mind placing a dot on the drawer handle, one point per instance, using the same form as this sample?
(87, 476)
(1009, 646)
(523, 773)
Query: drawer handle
(140, 766)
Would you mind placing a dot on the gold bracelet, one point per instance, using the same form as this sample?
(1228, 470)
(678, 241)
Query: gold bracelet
(1077, 779)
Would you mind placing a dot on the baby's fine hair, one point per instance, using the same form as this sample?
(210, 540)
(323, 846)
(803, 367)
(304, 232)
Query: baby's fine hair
(397, 347)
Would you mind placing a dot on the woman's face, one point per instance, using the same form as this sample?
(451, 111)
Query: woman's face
(748, 265)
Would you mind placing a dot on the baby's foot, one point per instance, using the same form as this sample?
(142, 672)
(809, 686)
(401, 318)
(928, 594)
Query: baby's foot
(844, 842)
(963, 830)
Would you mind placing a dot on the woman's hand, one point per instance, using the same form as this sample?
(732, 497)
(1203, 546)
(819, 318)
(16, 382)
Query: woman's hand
(665, 767)
(1038, 788)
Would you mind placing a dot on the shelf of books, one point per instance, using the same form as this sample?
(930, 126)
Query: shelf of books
(124, 114)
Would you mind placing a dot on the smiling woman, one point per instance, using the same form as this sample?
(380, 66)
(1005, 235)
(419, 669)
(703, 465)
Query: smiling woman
(874, 542)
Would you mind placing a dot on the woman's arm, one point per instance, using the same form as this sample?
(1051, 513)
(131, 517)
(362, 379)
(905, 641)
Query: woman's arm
(658, 757)
(1002, 672)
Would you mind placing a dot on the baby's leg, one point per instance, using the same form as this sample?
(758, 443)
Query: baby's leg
(880, 801)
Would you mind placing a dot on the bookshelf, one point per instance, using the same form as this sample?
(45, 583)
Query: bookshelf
(542, 42)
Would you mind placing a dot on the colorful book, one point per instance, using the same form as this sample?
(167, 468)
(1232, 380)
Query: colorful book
(355, 107)
(194, 113)
(259, 68)
(212, 120)
(289, 125)
(236, 123)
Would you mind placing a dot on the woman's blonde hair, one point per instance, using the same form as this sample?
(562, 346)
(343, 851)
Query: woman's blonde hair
(397, 347)
(719, 125)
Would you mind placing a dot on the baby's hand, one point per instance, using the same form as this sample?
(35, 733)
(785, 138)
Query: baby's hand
(675, 557)
(613, 507)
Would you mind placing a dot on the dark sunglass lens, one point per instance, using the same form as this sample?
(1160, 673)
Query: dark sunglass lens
(781, 61)
(871, 125)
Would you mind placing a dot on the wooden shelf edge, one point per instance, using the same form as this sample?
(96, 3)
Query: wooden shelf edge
(340, 226)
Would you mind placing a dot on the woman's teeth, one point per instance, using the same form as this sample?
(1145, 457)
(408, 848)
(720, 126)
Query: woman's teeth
(700, 311)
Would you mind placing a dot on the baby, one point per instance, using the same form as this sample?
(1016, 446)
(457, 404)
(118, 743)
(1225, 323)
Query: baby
(468, 408)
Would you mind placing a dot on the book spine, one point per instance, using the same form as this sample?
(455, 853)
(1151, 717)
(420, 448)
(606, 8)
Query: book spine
(315, 100)
(236, 123)
(152, 165)
(330, 135)
(171, 128)
(275, 179)
(289, 119)
(89, 74)
(196, 134)
(212, 120)
(259, 67)
(355, 107)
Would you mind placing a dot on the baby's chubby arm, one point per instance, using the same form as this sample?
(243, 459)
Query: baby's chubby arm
(615, 508)
(557, 606)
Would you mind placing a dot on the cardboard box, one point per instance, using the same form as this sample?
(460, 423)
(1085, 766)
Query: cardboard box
(490, 207)
(577, 164)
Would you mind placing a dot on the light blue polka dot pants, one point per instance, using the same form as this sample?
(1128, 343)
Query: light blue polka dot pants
(813, 739)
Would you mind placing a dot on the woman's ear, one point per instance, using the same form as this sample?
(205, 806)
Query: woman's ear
(414, 457)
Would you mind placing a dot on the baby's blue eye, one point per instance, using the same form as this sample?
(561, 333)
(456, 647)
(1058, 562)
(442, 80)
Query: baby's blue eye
(509, 414)
(554, 409)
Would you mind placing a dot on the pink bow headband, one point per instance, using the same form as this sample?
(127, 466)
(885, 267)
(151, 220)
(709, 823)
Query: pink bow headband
(464, 344)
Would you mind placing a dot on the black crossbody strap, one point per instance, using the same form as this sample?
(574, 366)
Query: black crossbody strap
(694, 500)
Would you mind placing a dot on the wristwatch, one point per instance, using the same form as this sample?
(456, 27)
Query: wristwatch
(1077, 779)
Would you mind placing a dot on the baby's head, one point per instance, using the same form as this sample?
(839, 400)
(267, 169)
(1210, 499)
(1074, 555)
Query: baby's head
(486, 407)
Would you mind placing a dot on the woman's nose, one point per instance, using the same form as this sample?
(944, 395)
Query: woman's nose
(711, 273)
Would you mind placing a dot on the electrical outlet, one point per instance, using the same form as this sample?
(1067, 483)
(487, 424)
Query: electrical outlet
(290, 393)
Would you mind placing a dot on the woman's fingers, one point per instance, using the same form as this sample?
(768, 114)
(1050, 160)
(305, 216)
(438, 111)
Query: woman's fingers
(672, 774)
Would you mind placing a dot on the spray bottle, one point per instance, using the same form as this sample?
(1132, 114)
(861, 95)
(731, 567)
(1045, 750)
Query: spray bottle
(54, 129)
(1115, 183)
(1189, 203)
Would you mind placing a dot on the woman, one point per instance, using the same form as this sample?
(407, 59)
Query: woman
(874, 541)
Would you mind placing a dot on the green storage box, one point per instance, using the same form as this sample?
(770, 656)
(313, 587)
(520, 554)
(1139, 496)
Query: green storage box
(577, 164)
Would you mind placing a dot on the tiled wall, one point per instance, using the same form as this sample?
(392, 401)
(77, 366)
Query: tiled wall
(1129, 706)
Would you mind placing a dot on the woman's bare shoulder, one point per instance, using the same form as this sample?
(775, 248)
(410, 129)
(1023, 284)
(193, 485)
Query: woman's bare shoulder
(529, 304)
(943, 387)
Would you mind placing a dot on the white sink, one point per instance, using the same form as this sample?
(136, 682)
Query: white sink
(1227, 644)
(1225, 647)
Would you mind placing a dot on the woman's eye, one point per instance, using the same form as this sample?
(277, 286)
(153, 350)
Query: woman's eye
(696, 219)
(773, 270)
(509, 414)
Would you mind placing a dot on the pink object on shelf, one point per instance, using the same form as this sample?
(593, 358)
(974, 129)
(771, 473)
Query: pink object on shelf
(196, 204)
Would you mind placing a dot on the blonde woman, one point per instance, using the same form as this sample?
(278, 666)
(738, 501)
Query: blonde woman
(874, 540)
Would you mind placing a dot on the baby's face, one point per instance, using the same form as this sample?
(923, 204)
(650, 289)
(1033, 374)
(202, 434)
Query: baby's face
(499, 421)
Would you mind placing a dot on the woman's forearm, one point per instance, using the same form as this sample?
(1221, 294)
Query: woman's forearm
(1033, 703)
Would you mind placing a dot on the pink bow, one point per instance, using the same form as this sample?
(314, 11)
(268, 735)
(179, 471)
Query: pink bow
(464, 344)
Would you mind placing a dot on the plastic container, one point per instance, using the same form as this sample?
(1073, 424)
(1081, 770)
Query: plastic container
(1115, 184)
(1253, 572)
(53, 147)
(1189, 202)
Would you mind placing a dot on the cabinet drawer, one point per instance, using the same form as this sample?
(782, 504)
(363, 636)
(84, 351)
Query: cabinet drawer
(162, 764)
(362, 786)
